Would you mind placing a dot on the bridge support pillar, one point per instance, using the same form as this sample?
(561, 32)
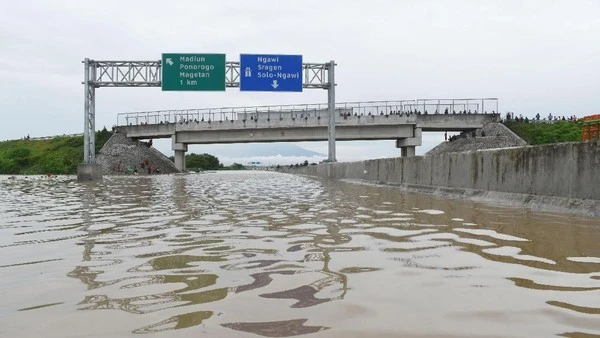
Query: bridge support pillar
(180, 160)
(180, 149)
(407, 151)
(409, 145)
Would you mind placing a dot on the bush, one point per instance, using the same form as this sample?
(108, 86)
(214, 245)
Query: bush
(8, 167)
(237, 166)
(52, 164)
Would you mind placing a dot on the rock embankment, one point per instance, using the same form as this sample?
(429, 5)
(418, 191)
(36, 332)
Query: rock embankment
(122, 155)
(492, 135)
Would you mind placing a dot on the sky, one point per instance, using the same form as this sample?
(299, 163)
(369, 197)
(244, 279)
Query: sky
(535, 56)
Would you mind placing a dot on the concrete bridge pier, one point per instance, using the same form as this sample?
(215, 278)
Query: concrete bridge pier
(409, 145)
(180, 149)
(407, 151)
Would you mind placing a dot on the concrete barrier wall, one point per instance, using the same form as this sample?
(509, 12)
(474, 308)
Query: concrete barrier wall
(570, 170)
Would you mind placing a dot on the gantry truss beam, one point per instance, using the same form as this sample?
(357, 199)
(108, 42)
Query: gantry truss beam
(126, 73)
(148, 74)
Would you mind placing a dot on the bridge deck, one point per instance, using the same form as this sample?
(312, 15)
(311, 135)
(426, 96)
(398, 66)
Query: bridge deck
(308, 122)
(306, 128)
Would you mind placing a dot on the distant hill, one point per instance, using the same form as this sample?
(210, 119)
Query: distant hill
(246, 150)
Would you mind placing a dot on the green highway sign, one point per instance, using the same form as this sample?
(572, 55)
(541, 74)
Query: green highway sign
(193, 72)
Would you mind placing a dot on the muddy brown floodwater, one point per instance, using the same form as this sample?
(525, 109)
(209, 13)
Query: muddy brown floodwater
(238, 254)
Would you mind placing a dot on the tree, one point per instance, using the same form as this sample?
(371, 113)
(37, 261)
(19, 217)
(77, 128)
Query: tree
(203, 161)
(101, 138)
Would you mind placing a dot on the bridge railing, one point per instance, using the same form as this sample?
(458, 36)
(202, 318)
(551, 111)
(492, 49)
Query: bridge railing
(319, 110)
(457, 106)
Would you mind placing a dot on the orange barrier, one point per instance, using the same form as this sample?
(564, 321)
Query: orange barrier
(590, 130)
(592, 118)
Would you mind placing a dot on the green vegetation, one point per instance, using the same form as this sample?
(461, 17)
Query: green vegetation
(59, 155)
(236, 166)
(202, 162)
(544, 133)
(101, 138)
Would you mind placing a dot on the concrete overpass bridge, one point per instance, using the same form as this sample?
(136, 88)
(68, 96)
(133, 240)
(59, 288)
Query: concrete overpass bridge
(403, 121)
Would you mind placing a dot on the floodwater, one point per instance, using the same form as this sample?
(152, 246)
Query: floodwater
(249, 254)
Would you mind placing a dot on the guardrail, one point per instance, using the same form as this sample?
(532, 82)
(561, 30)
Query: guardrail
(55, 136)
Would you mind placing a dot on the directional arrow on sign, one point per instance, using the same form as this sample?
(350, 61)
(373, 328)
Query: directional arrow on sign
(169, 61)
(275, 84)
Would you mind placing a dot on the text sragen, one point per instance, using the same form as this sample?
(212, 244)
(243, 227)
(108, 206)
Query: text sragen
(268, 70)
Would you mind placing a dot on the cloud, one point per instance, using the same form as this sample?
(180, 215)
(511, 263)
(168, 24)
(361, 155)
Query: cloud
(536, 56)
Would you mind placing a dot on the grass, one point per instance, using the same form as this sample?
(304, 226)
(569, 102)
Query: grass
(545, 133)
(59, 155)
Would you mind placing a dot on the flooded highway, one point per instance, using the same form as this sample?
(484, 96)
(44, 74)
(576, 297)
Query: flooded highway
(248, 253)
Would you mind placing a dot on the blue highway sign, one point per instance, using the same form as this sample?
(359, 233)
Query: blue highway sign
(270, 73)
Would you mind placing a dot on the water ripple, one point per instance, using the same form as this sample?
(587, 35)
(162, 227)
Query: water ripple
(234, 253)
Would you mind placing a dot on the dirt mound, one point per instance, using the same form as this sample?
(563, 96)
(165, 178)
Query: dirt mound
(122, 155)
(492, 135)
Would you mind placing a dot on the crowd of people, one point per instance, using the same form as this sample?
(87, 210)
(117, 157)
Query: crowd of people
(413, 112)
(510, 116)
(463, 134)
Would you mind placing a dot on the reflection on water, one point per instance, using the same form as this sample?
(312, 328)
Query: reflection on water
(258, 253)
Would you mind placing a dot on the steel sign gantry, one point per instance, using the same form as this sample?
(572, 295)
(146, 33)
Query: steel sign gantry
(111, 74)
(149, 74)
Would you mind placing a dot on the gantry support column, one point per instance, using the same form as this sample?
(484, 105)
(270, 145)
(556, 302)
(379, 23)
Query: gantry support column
(331, 110)
(409, 145)
(89, 170)
(180, 149)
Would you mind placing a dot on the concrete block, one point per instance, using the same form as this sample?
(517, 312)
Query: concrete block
(89, 172)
